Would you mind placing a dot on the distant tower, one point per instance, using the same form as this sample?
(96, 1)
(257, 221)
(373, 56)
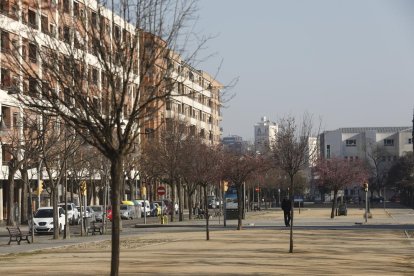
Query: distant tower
(264, 135)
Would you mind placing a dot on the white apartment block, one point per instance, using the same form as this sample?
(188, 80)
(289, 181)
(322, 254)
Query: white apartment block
(356, 143)
(264, 134)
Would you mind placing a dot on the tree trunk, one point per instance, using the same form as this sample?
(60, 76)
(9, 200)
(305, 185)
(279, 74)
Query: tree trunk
(180, 204)
(190, 205)
(239, 207)
(10, 198)
(56, 226)
(334, 203)
(172, 200)
(117, 178)
(206, 212)
(292, 202)
(25, 195)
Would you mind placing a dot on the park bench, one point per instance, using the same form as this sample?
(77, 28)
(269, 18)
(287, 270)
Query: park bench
(15, 234)
(95, 227)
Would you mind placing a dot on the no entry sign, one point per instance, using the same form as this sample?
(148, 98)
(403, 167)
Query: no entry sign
(161, 190)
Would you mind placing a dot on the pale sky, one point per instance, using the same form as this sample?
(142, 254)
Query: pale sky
(349, 62)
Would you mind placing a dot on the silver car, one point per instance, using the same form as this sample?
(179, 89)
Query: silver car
(99, 210)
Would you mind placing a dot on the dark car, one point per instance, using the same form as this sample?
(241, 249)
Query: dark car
(377, 199)
(342, 210)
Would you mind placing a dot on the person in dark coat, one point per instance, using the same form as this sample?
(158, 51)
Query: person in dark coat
(286, 207)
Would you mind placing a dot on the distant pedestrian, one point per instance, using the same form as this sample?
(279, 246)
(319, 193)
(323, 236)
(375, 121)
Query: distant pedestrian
(286, 207)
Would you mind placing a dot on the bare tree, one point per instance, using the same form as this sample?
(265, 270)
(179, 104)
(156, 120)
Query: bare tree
(21, 147)
(93, 71)
(291, 153)
(56, 147)
(401, 175)
(379, 159)
(201, 165)
(336, 174)
(164, 154)
(237, 169)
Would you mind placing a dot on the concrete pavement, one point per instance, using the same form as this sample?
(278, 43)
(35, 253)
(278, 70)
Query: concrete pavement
(307, 218)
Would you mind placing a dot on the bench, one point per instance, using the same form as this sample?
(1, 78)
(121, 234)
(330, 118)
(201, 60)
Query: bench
(15, 234)
(95, 227)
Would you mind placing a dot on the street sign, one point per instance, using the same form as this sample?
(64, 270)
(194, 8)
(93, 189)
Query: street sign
(257, 189)
(161, 190)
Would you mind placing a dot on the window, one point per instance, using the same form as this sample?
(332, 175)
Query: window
(94, 19)
(5, 78)
(46, 89)
(44, 24)
(32, 19)
(5, 41)
(67, 96)
(328, 151)
(32, 53)
(66, 6)
(389, 142)
(75, 8)
(125, 109)
(32, 86)
(351, 142)
(66, 34)
(4, 6)
(410, 140)
(15, 119)
(117, 33)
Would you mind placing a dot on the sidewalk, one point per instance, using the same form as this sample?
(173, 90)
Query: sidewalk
(308, 218)
(260, 249)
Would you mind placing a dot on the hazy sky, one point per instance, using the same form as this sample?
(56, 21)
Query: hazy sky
(349, 62)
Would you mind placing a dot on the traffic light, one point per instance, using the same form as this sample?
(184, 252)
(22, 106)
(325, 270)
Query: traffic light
(39, 188)
(143, 191)
(225, 186)
(365, 186)
(83, 187)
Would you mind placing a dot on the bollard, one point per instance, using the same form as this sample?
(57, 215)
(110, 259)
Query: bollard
(164, 219)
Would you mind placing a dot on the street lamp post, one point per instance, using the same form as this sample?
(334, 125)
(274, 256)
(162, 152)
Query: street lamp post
(278, 190)
(366, 201)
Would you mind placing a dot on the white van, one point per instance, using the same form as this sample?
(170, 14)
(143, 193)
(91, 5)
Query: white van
(147, 207)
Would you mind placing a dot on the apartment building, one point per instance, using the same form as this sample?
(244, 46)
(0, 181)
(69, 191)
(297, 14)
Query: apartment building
(379, 145)
(62, 28)
(264, 134)
(357, 143)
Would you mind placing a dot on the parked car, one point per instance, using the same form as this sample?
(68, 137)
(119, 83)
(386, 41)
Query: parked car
(109, 214)
(395, 198)
(212, 202)
(98, 210)
(72, 212)
(89, 213)
(43, 220)
(155, 209)
(377, 199)
(127, 211)
(144, 204)
(342, 210)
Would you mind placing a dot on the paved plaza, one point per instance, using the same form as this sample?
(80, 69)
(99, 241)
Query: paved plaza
(345, 245)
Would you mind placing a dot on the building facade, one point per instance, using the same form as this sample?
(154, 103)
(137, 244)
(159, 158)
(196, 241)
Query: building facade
(380, 147)
(264, 134)
(358, 143)
(82, 29)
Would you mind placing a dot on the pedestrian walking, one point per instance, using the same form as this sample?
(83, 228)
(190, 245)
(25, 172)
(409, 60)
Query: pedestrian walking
(286, 207)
